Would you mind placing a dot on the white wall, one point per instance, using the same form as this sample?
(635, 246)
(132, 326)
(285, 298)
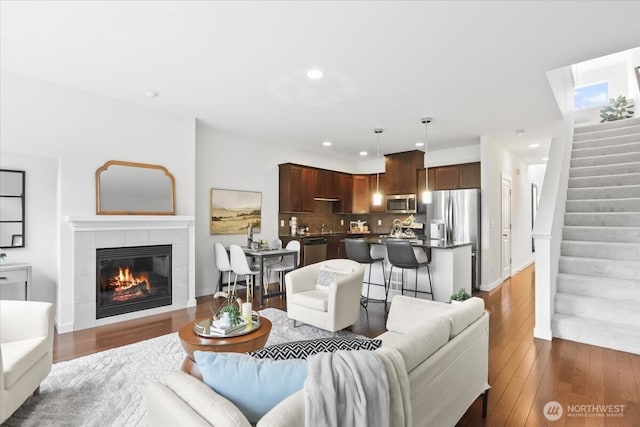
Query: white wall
(496, 161)
(452, 156)
(235, 163)
(83, 131)
(41, 237)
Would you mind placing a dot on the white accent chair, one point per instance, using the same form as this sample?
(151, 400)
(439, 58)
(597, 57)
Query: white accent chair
(332, 307)
(26, 351)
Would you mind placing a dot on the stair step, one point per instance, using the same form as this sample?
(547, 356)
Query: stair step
(603, 219)
(635, 121)
(605, 180)
(613, 192)
(610, 310)
(603, 205)
(628, 130)
(621, 269)
(596, 332)
(602, 250)
(616, 169)
(609, 159)
(630, 147)
(599, 287)
(601, 234)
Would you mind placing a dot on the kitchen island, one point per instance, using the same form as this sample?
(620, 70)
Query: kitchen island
(450, 269)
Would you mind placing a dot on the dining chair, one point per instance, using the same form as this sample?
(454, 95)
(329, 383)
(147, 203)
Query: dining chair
(401, 255)
(286, 264)
(240, 266)
(223, 264)
(359, 251)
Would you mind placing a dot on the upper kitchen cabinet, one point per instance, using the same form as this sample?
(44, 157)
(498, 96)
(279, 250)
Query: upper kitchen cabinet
(470, 175)
(372, 189)
(360, 195)
(401, 172)
(345, 190)
(327, 184)
(297, 188)
(447, 177)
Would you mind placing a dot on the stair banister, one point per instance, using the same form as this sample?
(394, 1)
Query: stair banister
(547, 230)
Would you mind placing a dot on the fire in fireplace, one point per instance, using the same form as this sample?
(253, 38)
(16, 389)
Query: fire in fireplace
(132, 278)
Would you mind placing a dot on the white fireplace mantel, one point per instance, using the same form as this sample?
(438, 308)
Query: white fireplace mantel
(129, 222)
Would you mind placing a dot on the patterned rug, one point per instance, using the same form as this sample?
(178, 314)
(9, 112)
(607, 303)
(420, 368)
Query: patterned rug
(106, 388)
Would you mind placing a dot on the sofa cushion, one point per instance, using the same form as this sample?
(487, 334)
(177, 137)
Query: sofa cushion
(314, 299)
(19, 356)
(328, 275)
(304, 349)
(464, 314)
(406, 312)
(253, 385)
(420, 342)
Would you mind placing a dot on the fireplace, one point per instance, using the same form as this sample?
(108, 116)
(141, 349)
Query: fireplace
(132, 278)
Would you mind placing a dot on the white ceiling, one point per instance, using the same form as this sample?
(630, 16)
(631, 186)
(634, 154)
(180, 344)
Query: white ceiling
(478, 68)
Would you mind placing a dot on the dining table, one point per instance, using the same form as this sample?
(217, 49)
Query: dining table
(262, 254)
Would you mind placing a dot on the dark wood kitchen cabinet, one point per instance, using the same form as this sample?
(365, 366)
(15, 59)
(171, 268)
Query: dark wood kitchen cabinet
(297, 188)
(327, 184)
(470, 175)
(360, 195)
(401, 172)
(335, 247)
(345, 191)
(447, 177)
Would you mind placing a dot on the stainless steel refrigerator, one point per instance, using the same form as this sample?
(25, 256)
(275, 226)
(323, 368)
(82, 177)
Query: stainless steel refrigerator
(454, 217)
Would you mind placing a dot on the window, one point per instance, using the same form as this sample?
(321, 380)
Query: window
(590, 96)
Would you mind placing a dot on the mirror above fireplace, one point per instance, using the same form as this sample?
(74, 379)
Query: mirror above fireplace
(127, 188)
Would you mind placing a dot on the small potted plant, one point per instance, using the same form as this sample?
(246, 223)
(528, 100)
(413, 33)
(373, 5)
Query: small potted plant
(617, 109)
(460, 296)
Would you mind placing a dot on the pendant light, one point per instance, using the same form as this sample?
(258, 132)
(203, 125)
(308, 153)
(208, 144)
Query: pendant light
(426, 194)
(377, 196)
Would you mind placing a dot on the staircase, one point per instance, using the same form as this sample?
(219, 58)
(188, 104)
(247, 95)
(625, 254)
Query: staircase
(598, 287)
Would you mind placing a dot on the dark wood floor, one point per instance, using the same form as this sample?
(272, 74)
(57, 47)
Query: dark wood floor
(524, 373)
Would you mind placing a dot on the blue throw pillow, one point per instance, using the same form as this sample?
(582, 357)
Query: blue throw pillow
(255, 386)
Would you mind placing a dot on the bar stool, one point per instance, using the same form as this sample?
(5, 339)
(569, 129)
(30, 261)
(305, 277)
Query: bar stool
(286, 264)
(359, 251)
(223, 264)
(240, 266)
(401, 255)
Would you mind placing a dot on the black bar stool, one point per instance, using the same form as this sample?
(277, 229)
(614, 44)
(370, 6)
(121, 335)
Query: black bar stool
(401, 255)
(359, 251)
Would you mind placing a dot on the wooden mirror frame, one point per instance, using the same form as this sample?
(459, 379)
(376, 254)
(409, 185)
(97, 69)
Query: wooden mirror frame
(103, 168)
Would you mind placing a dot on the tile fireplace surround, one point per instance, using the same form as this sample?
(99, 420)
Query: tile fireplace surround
(112, 231)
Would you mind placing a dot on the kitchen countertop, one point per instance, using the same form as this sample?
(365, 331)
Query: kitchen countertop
(425, 243)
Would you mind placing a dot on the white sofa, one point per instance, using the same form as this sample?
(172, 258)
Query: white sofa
(26, 351)
(445, 349)
(332, 307)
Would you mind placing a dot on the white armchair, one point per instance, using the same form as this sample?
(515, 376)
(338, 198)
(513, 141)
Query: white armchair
(332, 307)
(26, 351)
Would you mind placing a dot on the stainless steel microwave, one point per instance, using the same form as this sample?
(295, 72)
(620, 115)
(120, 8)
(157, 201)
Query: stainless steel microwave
(401, 203)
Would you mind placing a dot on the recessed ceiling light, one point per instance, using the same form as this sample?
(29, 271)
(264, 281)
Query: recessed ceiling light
(150, 93)
(520, 132)
(363, 153)
(326, 143)
(315, 74)
(544, 159)
(419, 144)
(534, 145)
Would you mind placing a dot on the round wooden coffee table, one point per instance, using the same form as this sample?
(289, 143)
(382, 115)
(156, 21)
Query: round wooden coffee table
(241, 344)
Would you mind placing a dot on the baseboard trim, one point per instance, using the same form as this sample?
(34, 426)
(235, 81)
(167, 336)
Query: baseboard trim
(543, 334)
(64, 328)
(490, 286)
(523, 266)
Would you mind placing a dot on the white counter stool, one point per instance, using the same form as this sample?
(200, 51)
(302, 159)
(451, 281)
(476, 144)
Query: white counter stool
(240, 266)
(223, 264)
(401, 255)
(359, 251)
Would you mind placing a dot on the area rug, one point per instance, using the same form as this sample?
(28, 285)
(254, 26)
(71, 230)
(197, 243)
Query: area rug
(106, 388)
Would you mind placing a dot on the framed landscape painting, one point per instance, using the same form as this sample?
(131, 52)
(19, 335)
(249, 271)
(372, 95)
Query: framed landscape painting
(233, 210)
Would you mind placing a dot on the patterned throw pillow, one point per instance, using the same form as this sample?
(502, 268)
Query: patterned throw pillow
(327, 276)
(304, 349)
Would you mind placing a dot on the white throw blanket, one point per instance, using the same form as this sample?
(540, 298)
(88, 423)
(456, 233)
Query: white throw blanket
(357, 389)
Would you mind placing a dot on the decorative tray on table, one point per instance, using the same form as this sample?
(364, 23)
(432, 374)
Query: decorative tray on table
(204, 328)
